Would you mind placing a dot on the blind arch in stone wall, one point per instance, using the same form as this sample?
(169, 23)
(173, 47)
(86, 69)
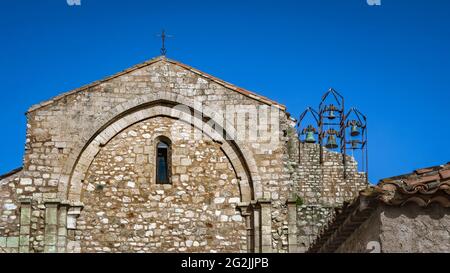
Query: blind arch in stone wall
(126, 210)
(242, 161)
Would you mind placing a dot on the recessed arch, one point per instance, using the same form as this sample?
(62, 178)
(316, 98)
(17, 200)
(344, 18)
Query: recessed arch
(238, 158)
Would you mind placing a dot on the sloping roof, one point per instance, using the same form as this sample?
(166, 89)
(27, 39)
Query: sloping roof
(345, 221)
(13, 172)
(164, 59)
(423, 187)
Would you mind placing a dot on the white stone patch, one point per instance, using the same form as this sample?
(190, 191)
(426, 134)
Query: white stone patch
(186, 162)
(201, 80)
(149, 214)
(118, 158)
(131, 184)
(178, 210)
(168, 199)
(275, 195)
(184, 178)
(10, 207)
(236, 218)
(189, 214)
(223, 218)
(132, 133)
(223, 176)
(219, 200)
(146, 136)
(52, 183)
(26, 181)
(234, 200)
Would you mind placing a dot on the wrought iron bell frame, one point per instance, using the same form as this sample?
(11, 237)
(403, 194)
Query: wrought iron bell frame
(354, 115)
(301, 129)
(337, 123)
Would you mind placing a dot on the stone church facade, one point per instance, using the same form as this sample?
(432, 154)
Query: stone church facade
(165, 158)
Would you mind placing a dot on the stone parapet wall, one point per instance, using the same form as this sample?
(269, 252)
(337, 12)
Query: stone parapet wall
(319, 187)
(327, 182)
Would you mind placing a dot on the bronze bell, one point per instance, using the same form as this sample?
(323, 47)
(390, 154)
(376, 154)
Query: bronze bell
(331, 115)
(309, 132)
(331, 142)
(310, 137)
(354, 129)
(331, 108)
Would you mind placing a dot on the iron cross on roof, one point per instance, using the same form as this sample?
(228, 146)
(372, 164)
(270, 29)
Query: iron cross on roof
(163, 40)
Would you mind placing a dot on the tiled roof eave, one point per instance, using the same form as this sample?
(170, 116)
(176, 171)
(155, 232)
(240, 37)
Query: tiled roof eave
(423, 187)
(345, 223)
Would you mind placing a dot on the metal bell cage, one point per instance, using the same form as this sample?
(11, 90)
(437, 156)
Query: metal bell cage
(331, 128)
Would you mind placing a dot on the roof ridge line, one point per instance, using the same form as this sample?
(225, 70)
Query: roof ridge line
(10, 173)
(95, 83)
(228, 85)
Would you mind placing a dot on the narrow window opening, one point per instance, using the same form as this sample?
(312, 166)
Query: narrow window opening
(162, 163)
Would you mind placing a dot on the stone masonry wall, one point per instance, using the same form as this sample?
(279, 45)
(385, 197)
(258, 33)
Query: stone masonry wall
(366, 238)
(126, 211)
(9, 214)
(324, 183)
(311, 220)
(410, 229)
(320, 187)
(414, 229)
(59, 129)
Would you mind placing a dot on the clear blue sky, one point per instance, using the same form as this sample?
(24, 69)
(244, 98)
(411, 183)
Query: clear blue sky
(391, 61)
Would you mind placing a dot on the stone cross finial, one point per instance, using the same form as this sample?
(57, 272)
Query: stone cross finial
(163, 40)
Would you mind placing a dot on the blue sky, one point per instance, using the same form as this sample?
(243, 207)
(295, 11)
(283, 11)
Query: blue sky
(391, 61)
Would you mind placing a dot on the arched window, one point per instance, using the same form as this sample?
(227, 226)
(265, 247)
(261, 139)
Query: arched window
(163, 161)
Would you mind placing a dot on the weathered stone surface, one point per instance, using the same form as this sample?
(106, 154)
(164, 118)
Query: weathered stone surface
(414, 229)
(93, 130)
(409, 228)
(159, 218)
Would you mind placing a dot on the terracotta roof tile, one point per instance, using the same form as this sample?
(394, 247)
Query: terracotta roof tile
(422, 171)
(423, 187)
(445, 174)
